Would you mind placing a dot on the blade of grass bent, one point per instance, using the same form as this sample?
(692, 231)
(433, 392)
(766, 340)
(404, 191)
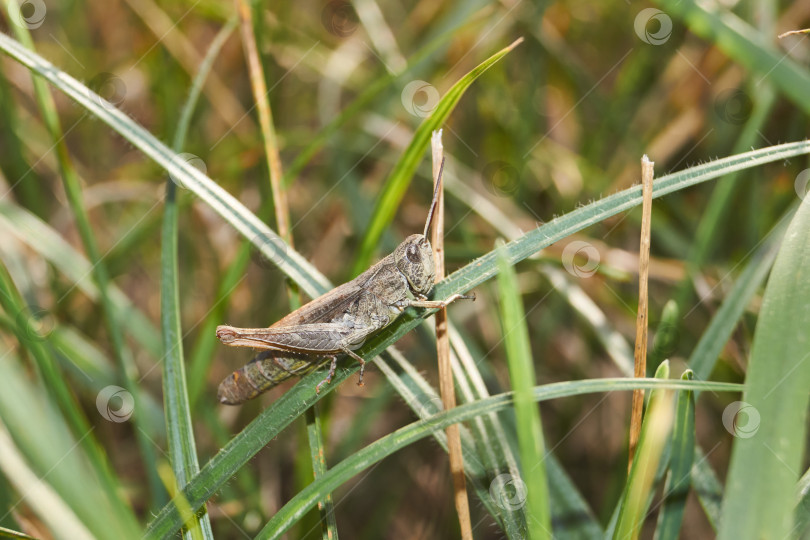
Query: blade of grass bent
(389, 444)
(295, 401)
(179, 432)
(400, 177)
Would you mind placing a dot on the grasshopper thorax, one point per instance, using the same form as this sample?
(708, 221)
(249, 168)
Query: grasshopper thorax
(414, 258)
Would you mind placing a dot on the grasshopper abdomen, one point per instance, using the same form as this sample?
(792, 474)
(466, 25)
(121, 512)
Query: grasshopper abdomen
(267, 370)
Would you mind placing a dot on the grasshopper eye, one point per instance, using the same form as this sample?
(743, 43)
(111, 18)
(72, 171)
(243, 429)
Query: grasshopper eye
(413, 254)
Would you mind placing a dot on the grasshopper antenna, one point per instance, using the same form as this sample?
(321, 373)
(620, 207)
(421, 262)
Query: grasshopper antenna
(435, 200)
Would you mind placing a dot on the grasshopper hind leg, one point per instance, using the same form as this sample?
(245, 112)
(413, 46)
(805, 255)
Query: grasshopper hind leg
(362, 364)
(333, 367)
(328, 379)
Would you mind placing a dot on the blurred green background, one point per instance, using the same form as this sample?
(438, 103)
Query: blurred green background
(557, 123)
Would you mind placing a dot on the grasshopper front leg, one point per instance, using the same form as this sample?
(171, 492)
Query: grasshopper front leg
(438, 304)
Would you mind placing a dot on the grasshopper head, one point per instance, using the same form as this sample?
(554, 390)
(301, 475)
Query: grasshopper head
(414, 258)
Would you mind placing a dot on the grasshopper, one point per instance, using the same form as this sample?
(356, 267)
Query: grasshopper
(337, 322)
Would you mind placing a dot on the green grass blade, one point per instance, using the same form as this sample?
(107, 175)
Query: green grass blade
(714, 338)
(529, 427)
(326, 506)
(489, 432)
(179, 429)
(387, 445)
(803, 506)
(484, 267)
(185, 174)
(295, 401)
(8, 533)
(769, 446)
(400, 177)
(745, 45)
(708, 488)
(676, 487)
(655, 432)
